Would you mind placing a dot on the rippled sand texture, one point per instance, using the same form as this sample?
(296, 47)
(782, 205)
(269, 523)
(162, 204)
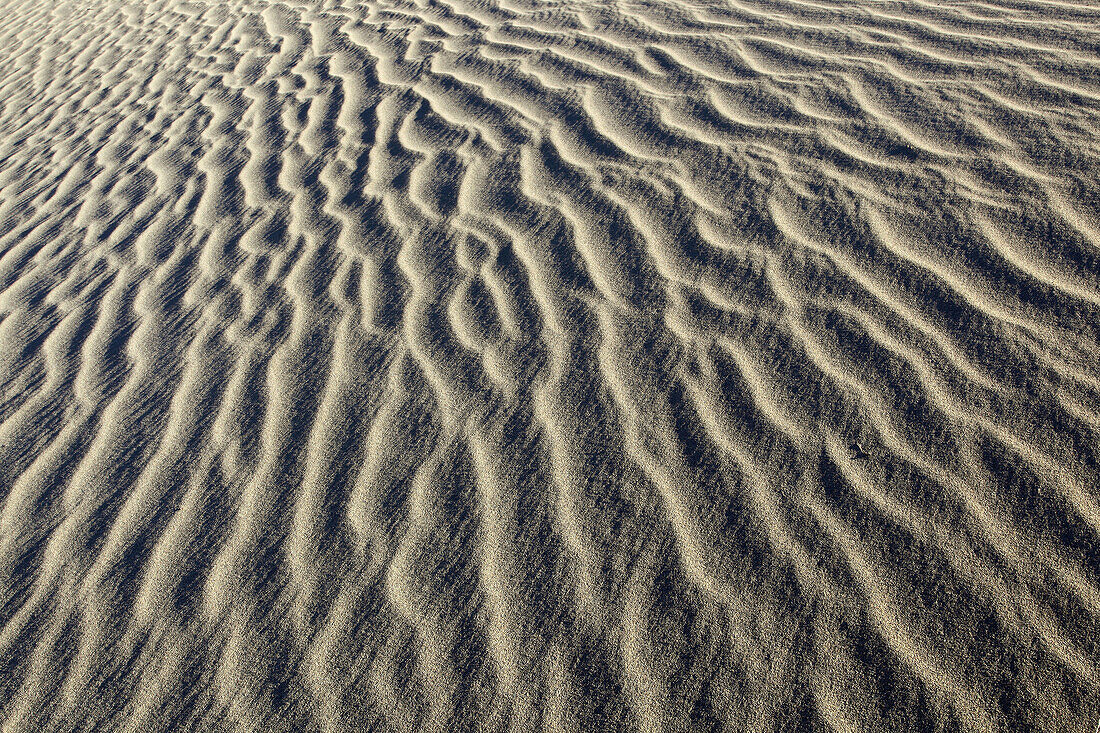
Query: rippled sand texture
(495, 365)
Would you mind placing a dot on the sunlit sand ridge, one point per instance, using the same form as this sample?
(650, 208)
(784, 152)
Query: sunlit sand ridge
(447, 365)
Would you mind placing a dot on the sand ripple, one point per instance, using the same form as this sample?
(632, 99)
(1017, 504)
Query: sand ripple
(507, 365)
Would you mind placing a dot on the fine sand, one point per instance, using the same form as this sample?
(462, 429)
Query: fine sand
(578, 365)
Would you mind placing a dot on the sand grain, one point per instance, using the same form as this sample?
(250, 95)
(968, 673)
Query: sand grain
(448, 365)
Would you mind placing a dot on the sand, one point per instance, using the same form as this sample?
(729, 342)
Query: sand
(505, 365)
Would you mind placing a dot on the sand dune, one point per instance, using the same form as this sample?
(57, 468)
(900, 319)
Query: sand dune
(506, 365)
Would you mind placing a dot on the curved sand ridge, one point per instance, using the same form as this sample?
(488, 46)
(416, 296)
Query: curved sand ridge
(449, 365)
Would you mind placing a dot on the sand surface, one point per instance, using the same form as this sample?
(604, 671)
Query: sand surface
(504, 365)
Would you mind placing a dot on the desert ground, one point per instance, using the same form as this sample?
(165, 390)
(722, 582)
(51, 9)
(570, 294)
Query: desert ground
(549, 365)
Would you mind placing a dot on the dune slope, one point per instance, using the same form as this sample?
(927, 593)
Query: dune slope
(445, 365)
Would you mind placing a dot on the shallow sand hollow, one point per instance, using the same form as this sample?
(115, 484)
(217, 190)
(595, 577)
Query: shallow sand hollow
(453, 365)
